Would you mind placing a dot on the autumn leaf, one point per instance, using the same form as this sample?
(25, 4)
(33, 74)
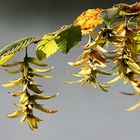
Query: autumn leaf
(89, 20)
(138, 20)
(137, 28)
(133, 9)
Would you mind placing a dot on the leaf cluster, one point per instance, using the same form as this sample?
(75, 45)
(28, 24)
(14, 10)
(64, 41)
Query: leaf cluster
(113, 49)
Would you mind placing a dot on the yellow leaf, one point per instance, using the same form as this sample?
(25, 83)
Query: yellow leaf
(46, 47)
(4, 59)
(89, 20)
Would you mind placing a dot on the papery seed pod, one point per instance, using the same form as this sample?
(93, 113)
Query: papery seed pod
(41, 76)
(14, 83)
(42, 97)
(32, 121)
(35, 88)
(13, 71)
(78, 63)
(24, 98)
(133, 107)
(13, 64)
(18, 93)
(41, 108)
(35, 61)
(17, 113)
(41, 70)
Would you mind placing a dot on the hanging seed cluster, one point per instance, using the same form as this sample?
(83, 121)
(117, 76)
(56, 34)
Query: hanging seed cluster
(115, 47)
(113, 50)
(30, 92)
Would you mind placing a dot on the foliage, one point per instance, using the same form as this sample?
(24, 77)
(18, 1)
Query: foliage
(64, 39)
(113, 49)
(12, 49)
(89, 20)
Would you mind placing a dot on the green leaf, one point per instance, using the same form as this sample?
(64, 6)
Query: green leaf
(68, 37)
(109, 14)
(12, 49)
(46, 47)
(64, 39)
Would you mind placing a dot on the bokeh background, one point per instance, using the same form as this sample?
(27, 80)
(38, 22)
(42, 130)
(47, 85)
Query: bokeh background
(84, 113)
